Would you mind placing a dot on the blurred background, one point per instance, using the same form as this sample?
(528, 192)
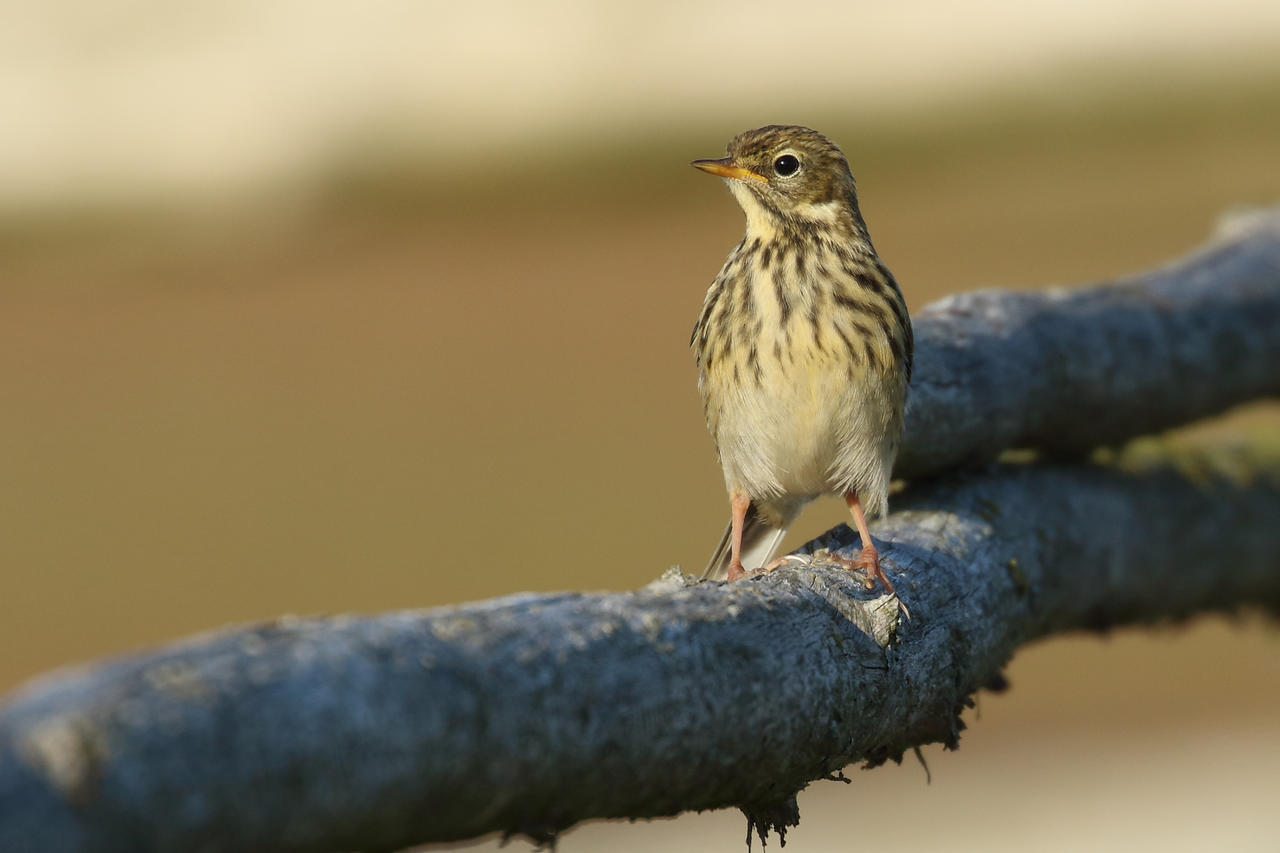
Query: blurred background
(318, 307)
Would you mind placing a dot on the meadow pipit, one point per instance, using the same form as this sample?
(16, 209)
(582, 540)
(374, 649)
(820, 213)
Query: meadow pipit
(804, 349)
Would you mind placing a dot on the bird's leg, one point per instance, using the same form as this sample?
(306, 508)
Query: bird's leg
(869, 559)
(738, 505)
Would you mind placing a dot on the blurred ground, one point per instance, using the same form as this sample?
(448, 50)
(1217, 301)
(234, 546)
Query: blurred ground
(225, 416)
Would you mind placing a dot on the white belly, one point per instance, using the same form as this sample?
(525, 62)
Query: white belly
(811, 433)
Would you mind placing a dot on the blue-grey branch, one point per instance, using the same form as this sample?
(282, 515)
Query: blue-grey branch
(1069, 370)
(530, 713)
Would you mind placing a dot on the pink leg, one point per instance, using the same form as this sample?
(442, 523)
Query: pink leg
(870, 557)
(738, 505)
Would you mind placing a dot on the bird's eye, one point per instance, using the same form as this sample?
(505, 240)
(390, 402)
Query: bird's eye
(786, 165)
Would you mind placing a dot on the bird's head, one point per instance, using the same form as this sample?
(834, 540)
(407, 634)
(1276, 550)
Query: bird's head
(786, 176)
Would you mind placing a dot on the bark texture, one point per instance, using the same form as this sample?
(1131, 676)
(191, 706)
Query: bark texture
(1068, 370)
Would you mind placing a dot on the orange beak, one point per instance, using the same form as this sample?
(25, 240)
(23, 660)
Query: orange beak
(725, 168)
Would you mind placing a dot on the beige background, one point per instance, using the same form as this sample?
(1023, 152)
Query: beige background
(302, 304)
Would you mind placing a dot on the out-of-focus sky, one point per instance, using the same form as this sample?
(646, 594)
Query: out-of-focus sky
(192, 100)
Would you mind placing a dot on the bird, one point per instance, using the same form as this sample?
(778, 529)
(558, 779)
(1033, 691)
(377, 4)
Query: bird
(804, 351)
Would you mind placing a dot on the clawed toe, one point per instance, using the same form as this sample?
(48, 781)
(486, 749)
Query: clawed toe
(782, 561)
(737, 573)
(868, 564)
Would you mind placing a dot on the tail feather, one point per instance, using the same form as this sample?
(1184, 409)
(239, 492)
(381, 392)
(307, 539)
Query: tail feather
(760, 541)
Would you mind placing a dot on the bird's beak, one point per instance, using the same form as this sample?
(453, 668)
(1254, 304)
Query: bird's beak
(725, 168)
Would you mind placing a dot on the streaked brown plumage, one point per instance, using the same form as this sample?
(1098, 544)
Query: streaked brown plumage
(803, 345)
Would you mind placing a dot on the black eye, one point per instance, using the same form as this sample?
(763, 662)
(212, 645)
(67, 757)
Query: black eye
(786, 165)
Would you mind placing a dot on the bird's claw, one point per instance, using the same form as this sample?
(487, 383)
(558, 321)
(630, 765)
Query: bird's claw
(737, 573)
(868, 563)
(789, 558)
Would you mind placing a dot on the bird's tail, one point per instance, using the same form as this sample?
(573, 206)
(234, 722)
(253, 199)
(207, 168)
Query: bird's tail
(760, 541)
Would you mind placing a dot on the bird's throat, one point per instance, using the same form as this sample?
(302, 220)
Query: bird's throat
(761, 221)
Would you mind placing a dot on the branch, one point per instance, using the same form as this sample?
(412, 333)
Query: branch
(1069, 370)
(530, 713)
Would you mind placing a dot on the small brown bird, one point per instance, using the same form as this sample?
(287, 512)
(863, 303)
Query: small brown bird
(804, 349)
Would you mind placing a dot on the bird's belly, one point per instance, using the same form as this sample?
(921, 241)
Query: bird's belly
(794, 432)
(801, 443)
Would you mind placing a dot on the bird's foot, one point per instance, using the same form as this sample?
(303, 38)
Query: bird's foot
(868, 562)
(737, 573)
